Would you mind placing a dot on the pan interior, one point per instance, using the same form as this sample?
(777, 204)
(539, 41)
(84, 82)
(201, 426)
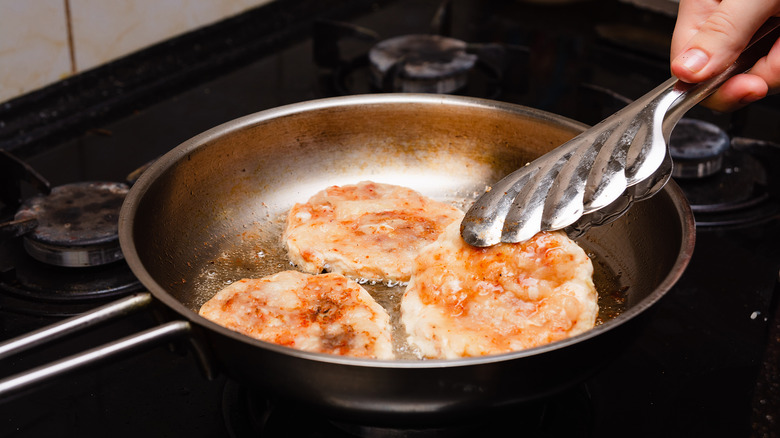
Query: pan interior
(212, 211)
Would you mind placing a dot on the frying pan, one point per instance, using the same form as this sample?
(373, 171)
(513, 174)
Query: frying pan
(211, 211)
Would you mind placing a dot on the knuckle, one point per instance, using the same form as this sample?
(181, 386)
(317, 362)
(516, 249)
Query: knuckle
(721, 24)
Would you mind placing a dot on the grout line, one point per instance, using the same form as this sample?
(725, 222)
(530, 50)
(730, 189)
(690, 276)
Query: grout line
(71, 45)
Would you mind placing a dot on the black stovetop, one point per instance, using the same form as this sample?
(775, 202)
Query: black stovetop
(704, 365)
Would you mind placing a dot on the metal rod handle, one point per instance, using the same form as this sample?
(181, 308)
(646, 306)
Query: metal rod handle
(74, 325)
(129, 344)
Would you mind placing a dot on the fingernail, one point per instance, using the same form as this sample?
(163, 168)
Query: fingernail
(694, 60)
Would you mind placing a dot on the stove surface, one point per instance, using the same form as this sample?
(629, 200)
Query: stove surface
(704, 364)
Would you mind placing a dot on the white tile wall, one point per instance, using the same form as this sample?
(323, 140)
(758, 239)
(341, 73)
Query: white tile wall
(33, 45)
(35, 50)
(104, 30)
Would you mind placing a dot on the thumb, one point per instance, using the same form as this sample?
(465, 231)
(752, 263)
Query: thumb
(719, 39)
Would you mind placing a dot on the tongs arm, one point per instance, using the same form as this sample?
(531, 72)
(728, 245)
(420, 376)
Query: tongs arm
(595, 177)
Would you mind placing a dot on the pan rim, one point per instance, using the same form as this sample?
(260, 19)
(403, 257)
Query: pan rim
(145, 182)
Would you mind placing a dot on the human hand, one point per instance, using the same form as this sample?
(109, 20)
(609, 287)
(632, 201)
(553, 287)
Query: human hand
(708, 37)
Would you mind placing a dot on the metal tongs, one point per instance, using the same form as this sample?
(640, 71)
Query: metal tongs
(595, 177)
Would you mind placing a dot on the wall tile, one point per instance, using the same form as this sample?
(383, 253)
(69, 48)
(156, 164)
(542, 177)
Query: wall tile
(33, 45)
(106, 30)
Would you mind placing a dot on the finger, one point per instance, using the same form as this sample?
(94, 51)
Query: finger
(690, 16)
(763, 79)
(721, 38)
(737, 92)
(768, 68)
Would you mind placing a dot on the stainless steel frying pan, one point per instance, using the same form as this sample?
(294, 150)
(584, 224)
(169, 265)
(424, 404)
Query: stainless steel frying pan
(211, 211)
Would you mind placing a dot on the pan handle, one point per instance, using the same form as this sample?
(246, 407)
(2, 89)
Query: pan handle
(74, 325)
(136, 342)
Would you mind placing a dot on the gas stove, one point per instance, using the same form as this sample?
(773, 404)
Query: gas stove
(704, 364)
